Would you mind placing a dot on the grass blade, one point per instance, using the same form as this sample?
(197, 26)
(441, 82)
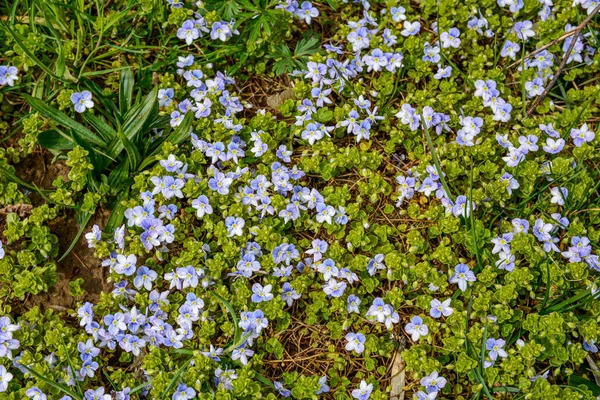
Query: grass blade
(61, 118)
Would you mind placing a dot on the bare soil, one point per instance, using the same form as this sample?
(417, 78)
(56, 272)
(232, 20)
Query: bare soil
(40, 169)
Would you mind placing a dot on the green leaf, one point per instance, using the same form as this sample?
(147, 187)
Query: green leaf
(104, 129)
(126, 85)
(175, 378)
(50, 382)
(576, 380)
(178, 135)
(238, 333)
(54, 140)
(119, 175)
(32, 56)
(133, 153)
(62, 119)
(118, 212)
(137, 117)
(72, 369)
(134, 121)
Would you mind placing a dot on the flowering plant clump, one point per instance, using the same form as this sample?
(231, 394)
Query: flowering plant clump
(419, 220)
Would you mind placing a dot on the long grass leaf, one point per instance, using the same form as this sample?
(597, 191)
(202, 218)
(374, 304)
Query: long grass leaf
(61, 118)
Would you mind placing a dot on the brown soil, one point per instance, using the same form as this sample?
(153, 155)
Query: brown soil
(39, 168)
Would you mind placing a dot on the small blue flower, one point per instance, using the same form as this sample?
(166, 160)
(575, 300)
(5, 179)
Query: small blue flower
(82, 101)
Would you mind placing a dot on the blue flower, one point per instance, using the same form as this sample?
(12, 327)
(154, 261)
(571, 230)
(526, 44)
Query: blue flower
(462, 275)
(35, 394)
(8, 75)
(282, 391)
(183, 392)
(353, 303)
(355, 342)
(234, 226)
(261, 293)
(416, 328)
(289, 294)
(307, 11)
(5, 377)
(363, 392)
(188, 31)
(496, 348)
(439, 308)
(82, 101)
(87, 350)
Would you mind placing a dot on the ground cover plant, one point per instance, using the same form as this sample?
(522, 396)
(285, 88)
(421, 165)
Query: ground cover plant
(264, 199)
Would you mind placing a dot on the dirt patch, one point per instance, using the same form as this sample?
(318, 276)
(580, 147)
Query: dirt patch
(267, 93)
(41, 169)
(80, 263)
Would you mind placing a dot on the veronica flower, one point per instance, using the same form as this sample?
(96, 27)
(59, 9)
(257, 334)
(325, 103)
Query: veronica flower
(462, 207)
(307, 11)
(431, 53)
(496, 348)
(582, 135)
(363, 392)
(87, 351)
(188, 31)
(353, 303)
(220, 183)
(2, 252)
(202, 206)
(534, 87)
(462, 275)
(281, 389)
(5, 377)
(334, 288)
(234, 226)
(486, 89)
(524, 30)
(398, 14)
(325, 213)
(450, 38)
(261, 293)
(220, 30)
(35, 394)
(514, 157)
(94, 236)
(554, 146)
(506, 261)
(355, 342)
(375, 264)
(376, 60)
(443, 72)
(559, 195)
(183, 392)
(416, 328)
(439, 308)
(411, 28)
(82, 101)
(502, 243)
(289, 294)
(176, 119)
(510, 49)
(8, 75)
(125, 264)
(587, 345)
(433, 382)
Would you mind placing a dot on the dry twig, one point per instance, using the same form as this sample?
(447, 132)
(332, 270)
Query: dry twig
(563, 63)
